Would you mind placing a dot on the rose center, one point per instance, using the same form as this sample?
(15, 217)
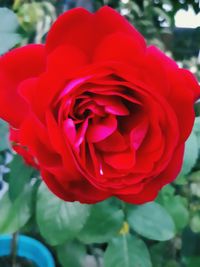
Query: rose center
(104, 125)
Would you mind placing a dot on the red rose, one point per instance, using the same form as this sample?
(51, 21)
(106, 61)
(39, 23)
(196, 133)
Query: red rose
(99, 112)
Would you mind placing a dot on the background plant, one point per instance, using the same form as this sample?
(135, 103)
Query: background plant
(164, 233)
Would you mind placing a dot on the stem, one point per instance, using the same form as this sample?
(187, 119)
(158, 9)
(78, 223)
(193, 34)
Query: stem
(97, 260)
(95, 255)
(123, 207)
(14, 249)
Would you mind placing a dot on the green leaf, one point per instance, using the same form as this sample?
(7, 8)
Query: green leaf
(167, 249)
(181, 180)
(193, 262)
(8, 40)
(71, 254)
(195, 189)
(8, 26)
(18, 177)
(58, 220)
(194, 176)
(195, 223)
(176, 207)
(172, 263)
(127, 251)
(191, 154)
(151, 221)
(14, 215)
(9, 21)
(136, 8)
(104, 222)
(190, 243)
(168, 190)
(157, 251)
(197, 130)
(4, 144)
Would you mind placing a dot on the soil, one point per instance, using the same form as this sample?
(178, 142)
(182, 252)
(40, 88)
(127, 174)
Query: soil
(6, 261)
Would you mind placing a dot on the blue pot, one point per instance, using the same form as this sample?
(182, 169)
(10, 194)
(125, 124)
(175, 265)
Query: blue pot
(29, 248)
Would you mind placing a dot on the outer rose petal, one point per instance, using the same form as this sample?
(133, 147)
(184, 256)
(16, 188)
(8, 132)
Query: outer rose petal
(109, 21)
(72, 27)
(191, 82)
(151, 189)
(61, 63)
(182, 88)
(155, 62)
(14, 138)
(78, 190)
(15, 67)
(181, 99)
(34, 137)
(133, 52)
(79, 25)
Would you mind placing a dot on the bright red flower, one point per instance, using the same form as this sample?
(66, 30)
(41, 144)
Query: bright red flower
(99, 112)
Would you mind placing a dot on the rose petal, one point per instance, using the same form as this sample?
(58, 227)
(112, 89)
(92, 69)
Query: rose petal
(133, 51)
(90, 106)
(123, 160)
(113, 105)
(191, 82)
(80, 136)
(72, 85)
(93, 161)
(80, 25)
(69, 129)
(78, 190)
(152, 187)
(62, 62)
(77, 24)
(138, 133)
(183, 102)
(101, 129)
(113, 143)
(15, 67)
(35, 138)
(110, 21)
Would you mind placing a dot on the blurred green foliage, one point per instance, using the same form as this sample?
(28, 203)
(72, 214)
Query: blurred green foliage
(165, 233)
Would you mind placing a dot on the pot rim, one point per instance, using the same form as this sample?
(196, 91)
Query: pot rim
(29, 248)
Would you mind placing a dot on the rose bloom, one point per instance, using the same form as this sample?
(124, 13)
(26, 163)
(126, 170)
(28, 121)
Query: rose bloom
(96, 110)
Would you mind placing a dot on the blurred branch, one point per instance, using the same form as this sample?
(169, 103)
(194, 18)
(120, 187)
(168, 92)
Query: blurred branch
(88, 4)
